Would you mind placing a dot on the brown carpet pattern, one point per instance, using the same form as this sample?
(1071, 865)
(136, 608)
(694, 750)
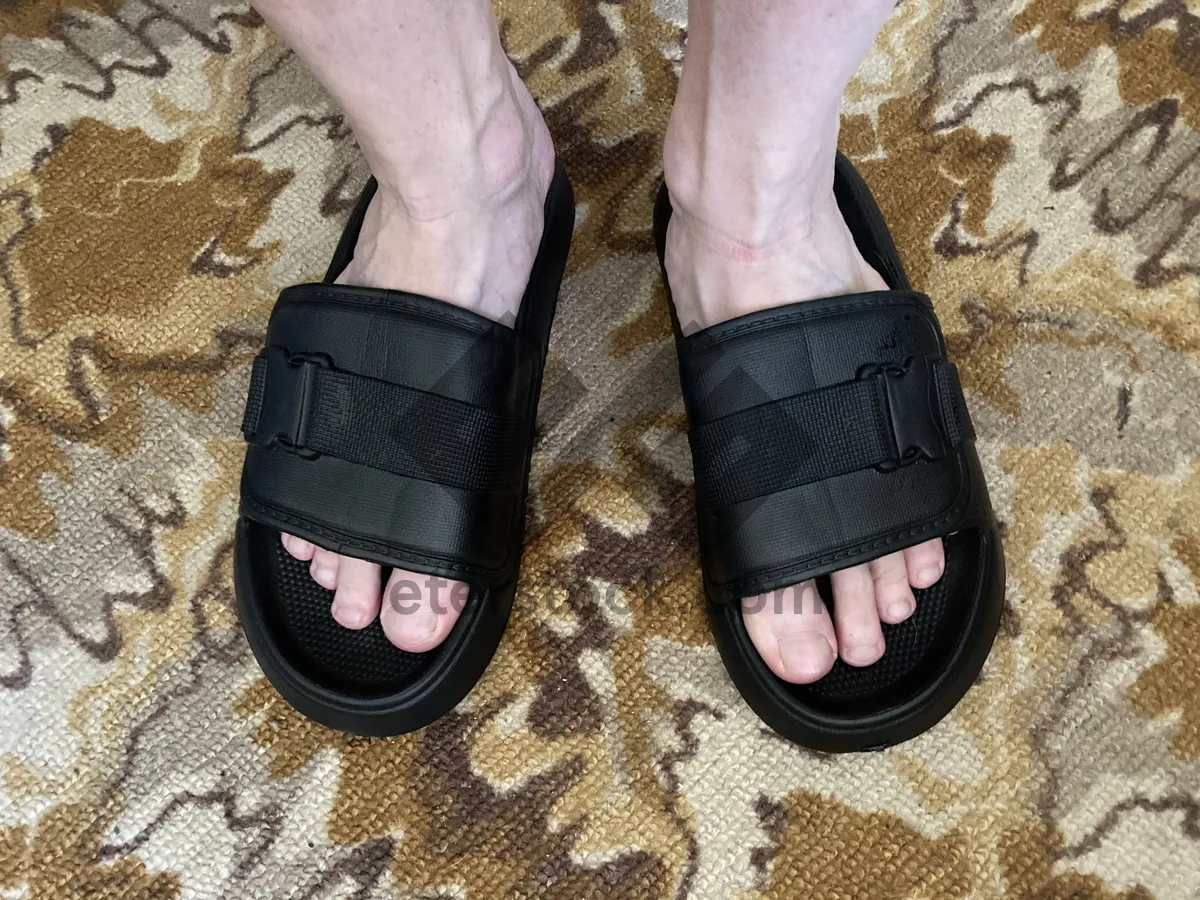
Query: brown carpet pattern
(166, 167)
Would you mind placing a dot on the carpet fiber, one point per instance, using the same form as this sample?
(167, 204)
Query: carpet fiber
(166, 167)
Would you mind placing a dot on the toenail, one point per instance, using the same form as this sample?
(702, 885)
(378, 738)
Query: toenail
(805, 655)
(426, 623)
(349, 616)
(900, 609)
(414, 623)
(323, 576)
(862, 654)
(930, 575)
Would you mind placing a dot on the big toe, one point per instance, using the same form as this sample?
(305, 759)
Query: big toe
(420, 610)
(792, 631)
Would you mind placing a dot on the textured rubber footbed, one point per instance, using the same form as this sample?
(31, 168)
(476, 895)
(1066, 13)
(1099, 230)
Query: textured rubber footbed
(362, 663)
(916, 647)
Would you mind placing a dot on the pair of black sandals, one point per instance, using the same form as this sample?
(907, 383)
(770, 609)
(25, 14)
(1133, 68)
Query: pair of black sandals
(398, 429)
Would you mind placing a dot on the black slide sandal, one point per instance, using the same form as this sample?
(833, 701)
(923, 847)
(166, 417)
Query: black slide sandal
(825, 434)
(397, 429)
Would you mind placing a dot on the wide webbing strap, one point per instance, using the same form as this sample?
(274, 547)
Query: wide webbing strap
(301, 404)
(888, 417)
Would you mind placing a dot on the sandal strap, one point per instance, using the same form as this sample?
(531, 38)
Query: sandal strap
(303, 405)
(889, 416)
(393, 427)
(824, 434)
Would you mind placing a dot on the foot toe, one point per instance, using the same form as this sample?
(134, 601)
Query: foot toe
(297, 547)
(420, 610)
(792, 631)
(893, 597)
(324, 568)
(806, 656)
(925, 563)
(356, 601)
(859, 637)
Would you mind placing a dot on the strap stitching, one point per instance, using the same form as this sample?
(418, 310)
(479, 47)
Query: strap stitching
(925, 305)
(341, 536)
(741, 585)
(392, 304)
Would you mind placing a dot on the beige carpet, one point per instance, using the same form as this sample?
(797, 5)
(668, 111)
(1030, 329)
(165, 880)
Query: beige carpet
(165, 168)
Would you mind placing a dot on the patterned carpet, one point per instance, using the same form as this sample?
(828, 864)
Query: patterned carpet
(165, 167)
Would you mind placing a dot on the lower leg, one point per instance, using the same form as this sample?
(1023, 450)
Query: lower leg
(750, 150)
(463, 160)
(749, 160)
(448, 130)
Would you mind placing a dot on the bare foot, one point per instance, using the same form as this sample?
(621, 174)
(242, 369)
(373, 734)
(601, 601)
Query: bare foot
(792, 247)
(470, 241)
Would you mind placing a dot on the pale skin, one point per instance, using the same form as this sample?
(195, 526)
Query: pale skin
(464, 159)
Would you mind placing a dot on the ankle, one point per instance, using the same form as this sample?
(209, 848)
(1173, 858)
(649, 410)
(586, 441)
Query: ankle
(747, 194)
(463, 228)
(717, 275)
(479, 160)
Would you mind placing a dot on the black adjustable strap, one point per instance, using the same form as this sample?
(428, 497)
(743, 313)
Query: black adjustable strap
(303, 405)
(890, 416)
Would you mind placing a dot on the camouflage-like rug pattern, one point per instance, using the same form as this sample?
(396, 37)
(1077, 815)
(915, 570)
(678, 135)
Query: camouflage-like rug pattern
(166, 167)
